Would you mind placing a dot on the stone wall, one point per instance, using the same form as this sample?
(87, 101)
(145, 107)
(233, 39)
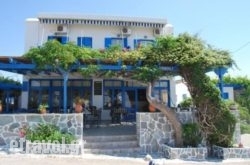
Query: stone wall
(186, 116)
(184, 153)
(153, 130)
(227, 153)
(10, 124)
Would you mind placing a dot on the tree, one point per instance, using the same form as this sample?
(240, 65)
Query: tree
(193, 58)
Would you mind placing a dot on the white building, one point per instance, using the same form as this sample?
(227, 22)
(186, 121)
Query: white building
(97, 32)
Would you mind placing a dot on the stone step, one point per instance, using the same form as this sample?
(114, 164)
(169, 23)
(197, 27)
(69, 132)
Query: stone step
(91, 139)
(117, 151)
(111, 144)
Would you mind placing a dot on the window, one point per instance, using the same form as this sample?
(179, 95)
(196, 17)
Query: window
(142, 42)
(122, 42)
(61, 39)
(84, 42)
(98, 88)
(162, 91)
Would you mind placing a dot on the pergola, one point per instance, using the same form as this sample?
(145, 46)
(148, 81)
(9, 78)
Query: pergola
(23, 66)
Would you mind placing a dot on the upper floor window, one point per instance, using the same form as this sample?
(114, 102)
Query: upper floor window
(122, 42)
(61, 39)
(84, 42)
(142, 42)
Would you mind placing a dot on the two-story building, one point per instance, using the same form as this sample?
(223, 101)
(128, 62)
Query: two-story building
(97, 32)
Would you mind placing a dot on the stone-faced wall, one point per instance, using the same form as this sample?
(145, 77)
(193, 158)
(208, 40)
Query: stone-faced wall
(199, 153)
(186, 116)
(10, 124)
(153, 130)
(227, 153)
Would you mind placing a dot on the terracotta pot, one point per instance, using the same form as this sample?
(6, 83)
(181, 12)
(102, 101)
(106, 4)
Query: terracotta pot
(78, 108)
(43, 111)
(151, 108)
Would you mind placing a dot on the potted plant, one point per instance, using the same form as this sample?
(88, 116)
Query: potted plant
(78, 104)
(42, 108)
(186, 104)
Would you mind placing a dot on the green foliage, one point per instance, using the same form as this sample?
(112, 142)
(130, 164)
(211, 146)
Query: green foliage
(42, 107)
(225, 126)
(148, 73)
(89, 71)
(186, 103)
(245, 128)
(48, 133)
(190, 54)
(244, 115)
(9, 81)
(242, 97)
(191, 135)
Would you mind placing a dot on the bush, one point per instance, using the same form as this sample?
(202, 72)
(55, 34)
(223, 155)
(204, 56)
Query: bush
(191, 135)
(245, 128)
(225, 126)
(48, 133)
(186, 103)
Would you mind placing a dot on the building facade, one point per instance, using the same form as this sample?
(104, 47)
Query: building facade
(96, 32)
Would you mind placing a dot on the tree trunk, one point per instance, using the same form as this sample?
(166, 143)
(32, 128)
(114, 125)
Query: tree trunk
(171, 116)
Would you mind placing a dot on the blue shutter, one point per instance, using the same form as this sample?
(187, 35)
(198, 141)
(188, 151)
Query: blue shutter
(51, 38)
(107, 43)
(135, 43)
(125, 42)
(64, 40)
(79, 39)
(87, 42)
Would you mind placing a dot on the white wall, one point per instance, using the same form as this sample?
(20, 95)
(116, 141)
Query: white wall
(230, 92)
(31, 33)
(37, 33)
(182, 92)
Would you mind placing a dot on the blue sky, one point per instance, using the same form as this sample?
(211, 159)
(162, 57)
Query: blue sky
(221, 23)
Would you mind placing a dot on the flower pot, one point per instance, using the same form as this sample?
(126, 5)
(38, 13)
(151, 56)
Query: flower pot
(78, 108)
(43, 111)
(151, 108)
(1, 108)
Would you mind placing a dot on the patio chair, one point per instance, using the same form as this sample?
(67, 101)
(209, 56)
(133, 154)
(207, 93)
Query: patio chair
(93, 118)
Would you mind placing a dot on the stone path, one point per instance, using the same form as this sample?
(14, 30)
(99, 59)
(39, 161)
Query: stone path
(103, 160)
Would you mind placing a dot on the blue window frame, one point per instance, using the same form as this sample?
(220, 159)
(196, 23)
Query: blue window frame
(84, 42)
(50, 91)
(61, 39)
(142, 42)
(162, 91)
(225, 95)
(123, 42)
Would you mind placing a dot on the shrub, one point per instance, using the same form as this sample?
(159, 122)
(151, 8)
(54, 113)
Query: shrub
(48, 133)
(186, 103)
(244, 128)
(225, 126)
(191, 135)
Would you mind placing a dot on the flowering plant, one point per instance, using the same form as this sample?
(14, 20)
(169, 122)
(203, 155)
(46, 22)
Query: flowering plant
(42, 108)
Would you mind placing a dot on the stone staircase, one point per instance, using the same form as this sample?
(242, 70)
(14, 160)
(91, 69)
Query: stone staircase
(111, 145)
